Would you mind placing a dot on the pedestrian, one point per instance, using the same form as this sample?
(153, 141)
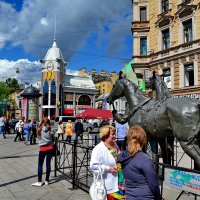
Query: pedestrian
(138, 168)
(7, 131)
(18, 130)
(69, 131)
(22, 127)
(105, 153)
(79, 129)
(27, 129)
(34, 132)
(121, 132)
(60, 130)
(46, 149)
(2, 126)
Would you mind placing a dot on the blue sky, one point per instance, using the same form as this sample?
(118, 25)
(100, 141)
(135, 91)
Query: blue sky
(90, 33)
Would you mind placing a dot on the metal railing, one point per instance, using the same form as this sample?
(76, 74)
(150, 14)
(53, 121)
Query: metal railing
(74, 160)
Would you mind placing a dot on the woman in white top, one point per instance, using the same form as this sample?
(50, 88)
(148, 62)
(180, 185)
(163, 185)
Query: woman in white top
(60, 130)
(105, 153)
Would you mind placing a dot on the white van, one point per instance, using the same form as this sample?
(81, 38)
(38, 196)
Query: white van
(86, 125)
(64, 120)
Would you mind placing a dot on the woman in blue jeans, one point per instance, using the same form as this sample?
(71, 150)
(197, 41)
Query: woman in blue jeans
(46, 149)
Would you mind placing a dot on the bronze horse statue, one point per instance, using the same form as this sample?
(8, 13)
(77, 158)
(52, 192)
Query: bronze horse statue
(172, 116)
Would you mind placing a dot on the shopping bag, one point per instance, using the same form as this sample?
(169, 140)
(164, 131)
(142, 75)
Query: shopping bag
(97, 189)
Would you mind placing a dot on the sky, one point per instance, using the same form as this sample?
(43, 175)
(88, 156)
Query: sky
(92, 34)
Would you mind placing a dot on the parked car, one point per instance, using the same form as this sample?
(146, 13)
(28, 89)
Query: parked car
(95, 122)
(12, 124)
(87, 126)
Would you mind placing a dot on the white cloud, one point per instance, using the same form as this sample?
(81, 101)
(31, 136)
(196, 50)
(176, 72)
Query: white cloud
(26, 67)
(44, 21)
(71, 72)
(76, 20)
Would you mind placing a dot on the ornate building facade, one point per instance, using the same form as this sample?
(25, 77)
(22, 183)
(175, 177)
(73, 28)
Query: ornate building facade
(166, 38)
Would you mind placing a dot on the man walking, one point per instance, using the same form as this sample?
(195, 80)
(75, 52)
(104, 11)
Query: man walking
(121, 131)
(79, 129)
(34, 132)
(2, 126)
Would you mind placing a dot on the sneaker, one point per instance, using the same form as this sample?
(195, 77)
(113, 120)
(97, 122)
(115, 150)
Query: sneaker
(46, 182)
(37, 184)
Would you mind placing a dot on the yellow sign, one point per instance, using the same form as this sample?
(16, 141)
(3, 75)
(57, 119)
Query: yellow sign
(49, 75)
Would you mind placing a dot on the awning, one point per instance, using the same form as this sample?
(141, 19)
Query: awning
(68, 111)
(92, 113)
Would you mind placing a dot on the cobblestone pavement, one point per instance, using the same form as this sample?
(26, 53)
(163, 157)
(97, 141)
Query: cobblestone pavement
(18, 170)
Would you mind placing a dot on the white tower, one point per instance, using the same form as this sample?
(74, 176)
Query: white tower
(53, 77)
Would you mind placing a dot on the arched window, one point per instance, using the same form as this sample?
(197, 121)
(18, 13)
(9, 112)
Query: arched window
(53, 93)
(84, 100)
(45, 93)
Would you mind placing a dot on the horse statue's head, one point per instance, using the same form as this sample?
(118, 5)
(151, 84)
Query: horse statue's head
(117, 91)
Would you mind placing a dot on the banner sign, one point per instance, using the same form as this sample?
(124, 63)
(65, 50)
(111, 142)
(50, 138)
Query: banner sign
(24, 111)
(33, 109)
(183, 180)
(104, 102)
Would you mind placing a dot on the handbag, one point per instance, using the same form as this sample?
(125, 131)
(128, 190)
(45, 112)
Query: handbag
(56, 152)
(97, 189)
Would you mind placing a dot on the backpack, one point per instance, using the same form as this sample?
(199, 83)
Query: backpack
(34, 125)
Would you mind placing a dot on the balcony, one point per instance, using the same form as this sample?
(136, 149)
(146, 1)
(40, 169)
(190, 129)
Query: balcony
(140, 25)
(180, 49)
(141, 59)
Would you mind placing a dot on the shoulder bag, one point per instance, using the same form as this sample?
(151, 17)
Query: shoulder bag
(97, 189)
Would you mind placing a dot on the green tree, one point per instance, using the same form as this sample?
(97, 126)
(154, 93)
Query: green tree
(4, 90)
(12, 83)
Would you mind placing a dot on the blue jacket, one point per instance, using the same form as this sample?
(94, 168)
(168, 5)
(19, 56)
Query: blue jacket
(140, 176)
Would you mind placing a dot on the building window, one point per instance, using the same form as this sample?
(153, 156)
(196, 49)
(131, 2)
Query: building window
(167, 77)
(53, 93)
(189, 74)
(84, 100)
(187, 31)
(165, 5)
(165, 39)
(143, 14)
(45, 93)
(143, 46)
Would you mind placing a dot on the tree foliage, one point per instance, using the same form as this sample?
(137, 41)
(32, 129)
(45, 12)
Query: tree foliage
(12, 83)
(4, 91)
(8, 87)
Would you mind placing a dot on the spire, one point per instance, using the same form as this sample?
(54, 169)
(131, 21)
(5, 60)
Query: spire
(54, 38)
(54, 43)
(55, 30)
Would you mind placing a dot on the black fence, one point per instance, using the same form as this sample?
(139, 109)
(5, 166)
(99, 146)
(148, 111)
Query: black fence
(74, 160)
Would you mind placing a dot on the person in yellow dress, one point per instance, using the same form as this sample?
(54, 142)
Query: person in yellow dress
(69, 131)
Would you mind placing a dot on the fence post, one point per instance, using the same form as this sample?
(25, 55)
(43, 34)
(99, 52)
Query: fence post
(74, 164)
(95, 140)
(55, 159)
